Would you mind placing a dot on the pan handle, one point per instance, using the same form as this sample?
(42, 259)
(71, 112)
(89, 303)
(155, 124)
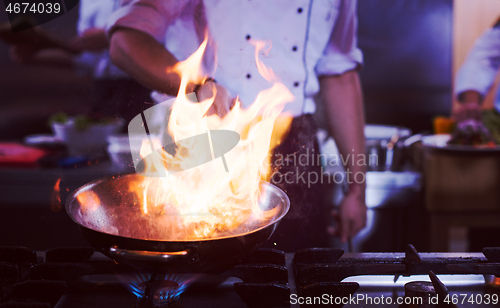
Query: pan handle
(144, 255)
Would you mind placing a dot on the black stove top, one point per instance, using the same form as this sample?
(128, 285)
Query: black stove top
(79, 277)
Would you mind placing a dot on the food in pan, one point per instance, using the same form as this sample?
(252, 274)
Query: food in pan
(481, 134)
(472, 132)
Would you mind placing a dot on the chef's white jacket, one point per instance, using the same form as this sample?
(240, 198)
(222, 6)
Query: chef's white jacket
(309, 39)
(481, 65)
(95, 14)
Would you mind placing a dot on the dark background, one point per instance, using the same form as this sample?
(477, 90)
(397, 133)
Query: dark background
(407, 48)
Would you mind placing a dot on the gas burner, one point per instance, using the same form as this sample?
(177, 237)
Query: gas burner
(419, 294)
(154, 289)
(427, 294)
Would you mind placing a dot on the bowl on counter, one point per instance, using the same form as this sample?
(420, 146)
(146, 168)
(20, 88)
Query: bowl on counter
(90, 141)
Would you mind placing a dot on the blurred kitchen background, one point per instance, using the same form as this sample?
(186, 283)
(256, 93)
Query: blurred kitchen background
(412, 49)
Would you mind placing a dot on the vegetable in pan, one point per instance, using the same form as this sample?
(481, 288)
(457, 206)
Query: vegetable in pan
(482, 134)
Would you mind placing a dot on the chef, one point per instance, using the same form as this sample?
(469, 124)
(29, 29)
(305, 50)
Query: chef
(114, 92)
(476, 76)
(313, 52)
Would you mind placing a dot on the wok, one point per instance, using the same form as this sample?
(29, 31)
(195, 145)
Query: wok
(211, 255)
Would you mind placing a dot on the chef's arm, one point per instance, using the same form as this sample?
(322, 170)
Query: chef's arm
(477, 74)
(344, 108)
(144, 59)
(92, 39)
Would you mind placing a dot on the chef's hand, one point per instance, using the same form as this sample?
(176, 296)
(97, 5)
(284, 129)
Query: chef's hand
(223, 101)
(93, 39)
(350, 216)
(469, 107)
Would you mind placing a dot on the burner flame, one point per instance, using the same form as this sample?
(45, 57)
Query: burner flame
(165, 288)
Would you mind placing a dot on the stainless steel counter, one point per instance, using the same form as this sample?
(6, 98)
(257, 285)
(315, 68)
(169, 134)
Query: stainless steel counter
(392, 189)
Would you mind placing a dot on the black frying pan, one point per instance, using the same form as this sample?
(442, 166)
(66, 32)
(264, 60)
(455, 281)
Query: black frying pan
(101, 228)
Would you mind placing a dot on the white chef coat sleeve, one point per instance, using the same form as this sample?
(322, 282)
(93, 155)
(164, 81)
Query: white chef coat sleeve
(150, 16)
(342, 54)
(481, 65)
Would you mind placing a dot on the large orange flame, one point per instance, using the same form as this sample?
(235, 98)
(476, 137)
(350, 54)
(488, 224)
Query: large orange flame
(207, 201)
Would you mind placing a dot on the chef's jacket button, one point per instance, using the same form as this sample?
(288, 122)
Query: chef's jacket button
(299, 10)
(248, 37)
(249, 76)
(294, 48)
(296, 84)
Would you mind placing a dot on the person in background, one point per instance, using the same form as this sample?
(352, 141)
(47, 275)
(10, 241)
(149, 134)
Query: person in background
(114, 92)
(477, 74)
(313, 51)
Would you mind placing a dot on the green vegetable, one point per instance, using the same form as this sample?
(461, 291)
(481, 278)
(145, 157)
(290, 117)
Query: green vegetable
(59, 117)
(491, 119)
(81, 122)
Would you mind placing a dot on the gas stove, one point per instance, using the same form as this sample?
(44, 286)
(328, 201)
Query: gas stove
(80, 277)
